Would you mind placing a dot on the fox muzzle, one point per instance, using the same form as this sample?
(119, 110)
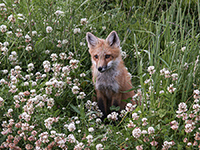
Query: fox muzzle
(102, 69)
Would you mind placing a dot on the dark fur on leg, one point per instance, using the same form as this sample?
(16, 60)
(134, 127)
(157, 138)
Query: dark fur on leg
(102, 108)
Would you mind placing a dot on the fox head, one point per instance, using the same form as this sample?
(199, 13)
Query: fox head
(105, 54)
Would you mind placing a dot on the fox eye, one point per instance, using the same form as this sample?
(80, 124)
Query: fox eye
(96, 56)
(107, 56)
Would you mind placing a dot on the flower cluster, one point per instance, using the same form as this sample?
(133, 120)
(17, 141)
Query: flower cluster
(31, 98)
(113, 116)
(145, 132)
(190, 118)
(93, 111)
(49, 121)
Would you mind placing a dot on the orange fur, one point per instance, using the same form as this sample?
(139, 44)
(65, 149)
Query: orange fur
(110, 76)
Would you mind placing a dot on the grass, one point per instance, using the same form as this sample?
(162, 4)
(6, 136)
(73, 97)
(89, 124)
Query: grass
(45, 80)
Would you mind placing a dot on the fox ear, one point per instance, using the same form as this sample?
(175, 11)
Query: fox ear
(91, 39)
(113, 39)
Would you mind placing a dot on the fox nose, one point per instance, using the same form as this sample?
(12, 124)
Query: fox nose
(100, 69)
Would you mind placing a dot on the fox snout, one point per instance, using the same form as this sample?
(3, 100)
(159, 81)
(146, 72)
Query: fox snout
(104, 66)
(102, 69)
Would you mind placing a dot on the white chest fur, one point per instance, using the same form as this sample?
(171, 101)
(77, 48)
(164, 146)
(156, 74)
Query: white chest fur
(106, 80)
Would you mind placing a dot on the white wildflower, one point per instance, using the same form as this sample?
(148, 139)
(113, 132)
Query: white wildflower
(27, 38)
(130, 107)
(74, 63)
(91, 129)
(54, 56)
(11, 18)
(113, 116)
(167, 74)
(162, 71)
(77, 30)
(135, 116)
(196, 94)
(49, 29)
(30, 67)
(174, 76)
(151, 130)
(82, 75)
(3, 28)
(183, 48)
(34, 33)
(84, 21)
(81, 95)
(59, 12)
(65, 41)
(151, 69)
(99, 147)
(20, 16)
(89, 138)
(71, 127)
(79, 146)
(2, 5)
(71, 138)
(144, 132)
(171, 89)
(28, 47)
(1, 101)
(9, 33)
(182, 107)
(161, 92)
(75, 89)
(6, 44)
(136, 133)
(104, 27)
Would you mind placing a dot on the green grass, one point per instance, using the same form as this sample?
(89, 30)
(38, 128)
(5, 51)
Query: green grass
(163, 34)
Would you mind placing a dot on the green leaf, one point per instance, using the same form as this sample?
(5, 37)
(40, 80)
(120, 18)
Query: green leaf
(114, 108)
(128, 100)
(162, 113)
(75, 108)
(57, 112)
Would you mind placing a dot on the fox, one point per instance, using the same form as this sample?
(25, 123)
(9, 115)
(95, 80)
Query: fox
(110, 77)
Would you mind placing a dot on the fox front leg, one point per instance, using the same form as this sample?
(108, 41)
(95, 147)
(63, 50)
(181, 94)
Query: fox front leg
(116, 101)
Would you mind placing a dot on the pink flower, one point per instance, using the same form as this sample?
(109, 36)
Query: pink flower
(182, 107)
(131, 125)
(196, 94)
(31, 138)
(189, 127)
(197, 136)
(174, 125)
(34, 133)
(135, 116)
(144, 121)
(154, 143)
(139, 147)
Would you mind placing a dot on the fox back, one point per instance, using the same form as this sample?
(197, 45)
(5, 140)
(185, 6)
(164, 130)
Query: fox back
(110, 76)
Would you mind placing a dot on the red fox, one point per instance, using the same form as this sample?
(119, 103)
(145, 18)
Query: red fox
(110, 76)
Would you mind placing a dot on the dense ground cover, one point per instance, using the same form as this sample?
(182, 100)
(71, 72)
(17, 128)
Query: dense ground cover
(45, 77)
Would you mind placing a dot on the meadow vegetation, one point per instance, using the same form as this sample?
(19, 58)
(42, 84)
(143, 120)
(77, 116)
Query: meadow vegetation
(46, 90)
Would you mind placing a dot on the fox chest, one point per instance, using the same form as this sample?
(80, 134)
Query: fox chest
(106, 81)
